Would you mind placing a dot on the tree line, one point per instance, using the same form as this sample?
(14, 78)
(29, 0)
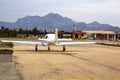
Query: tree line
(6, 32)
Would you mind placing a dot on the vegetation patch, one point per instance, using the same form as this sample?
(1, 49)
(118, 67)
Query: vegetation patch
(6, 55)
(6, 45)
(6, 51)
(115, 45)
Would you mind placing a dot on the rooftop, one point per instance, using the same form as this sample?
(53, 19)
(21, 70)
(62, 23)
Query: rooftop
(99, 32)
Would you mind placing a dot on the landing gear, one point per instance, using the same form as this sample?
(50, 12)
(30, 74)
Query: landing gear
(48, 48)
(36, 47)
(64, 48)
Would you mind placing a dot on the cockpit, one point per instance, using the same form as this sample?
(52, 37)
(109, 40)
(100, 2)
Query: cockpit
(46, 36)
(49, 37)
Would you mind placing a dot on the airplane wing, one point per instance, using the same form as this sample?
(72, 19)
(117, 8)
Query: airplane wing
(26, 42)
(74, 43)
(64, 39)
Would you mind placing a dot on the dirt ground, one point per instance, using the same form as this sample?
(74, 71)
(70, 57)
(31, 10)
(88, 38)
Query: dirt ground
(84, 62)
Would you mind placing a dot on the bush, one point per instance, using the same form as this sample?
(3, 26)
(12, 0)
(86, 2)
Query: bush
(7, 45)
(6, 51)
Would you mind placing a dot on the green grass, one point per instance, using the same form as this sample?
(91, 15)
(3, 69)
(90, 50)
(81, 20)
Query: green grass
(115, 45)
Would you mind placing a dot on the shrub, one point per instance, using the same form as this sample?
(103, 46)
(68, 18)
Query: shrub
(6, 51)
(7, 45)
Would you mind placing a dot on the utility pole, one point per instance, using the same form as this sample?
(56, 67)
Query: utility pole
(74, 27)
(50, 28)
(26, 32)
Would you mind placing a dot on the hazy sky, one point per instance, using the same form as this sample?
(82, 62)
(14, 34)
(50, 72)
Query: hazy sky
(104, 11)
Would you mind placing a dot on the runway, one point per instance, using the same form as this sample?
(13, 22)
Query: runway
(91, 62)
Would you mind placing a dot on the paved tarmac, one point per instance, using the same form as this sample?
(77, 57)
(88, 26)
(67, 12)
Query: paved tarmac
(8, 71)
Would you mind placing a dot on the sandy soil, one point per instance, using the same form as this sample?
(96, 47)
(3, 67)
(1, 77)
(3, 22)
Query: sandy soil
(85, 62)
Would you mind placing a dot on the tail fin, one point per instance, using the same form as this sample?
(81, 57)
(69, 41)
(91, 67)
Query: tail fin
(56, 35)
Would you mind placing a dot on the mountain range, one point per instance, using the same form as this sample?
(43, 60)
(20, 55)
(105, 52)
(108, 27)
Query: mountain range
(52, 21)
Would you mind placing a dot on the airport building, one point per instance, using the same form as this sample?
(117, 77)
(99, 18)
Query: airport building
(78, 35)
(72, 34)
(96, 35)
(64, 34)
(101, 35)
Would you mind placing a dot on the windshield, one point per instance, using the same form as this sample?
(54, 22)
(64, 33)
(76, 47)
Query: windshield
(46, 36)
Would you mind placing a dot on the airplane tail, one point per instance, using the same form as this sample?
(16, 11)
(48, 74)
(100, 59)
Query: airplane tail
(56, 35)
(58, 40)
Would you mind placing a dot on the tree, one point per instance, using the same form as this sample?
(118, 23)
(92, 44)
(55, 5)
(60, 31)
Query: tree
(20, 31)
(45, 32)
(2, 28)
(4, 32)
(35, 31)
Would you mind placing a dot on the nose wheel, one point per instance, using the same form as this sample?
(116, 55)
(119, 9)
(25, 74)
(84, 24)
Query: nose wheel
(36, 47)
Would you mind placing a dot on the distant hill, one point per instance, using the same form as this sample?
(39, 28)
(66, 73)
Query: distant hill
(56, 21)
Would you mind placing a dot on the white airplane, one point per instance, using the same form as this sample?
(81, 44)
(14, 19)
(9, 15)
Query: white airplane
(50, 39)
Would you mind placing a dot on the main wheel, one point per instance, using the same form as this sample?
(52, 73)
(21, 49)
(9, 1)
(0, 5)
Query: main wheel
(48, 48)
(64, 48)
(36, 47)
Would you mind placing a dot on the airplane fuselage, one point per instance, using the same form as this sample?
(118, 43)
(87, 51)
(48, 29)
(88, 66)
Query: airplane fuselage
(49, 38)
